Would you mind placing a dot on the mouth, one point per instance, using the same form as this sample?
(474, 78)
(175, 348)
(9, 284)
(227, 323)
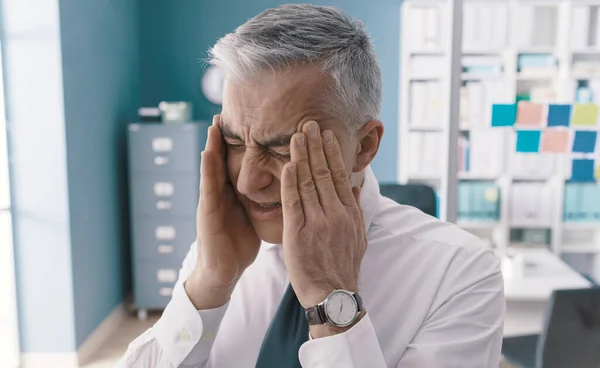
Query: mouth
(265, 210)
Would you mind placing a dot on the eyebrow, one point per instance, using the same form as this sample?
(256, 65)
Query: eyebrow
(277, 141)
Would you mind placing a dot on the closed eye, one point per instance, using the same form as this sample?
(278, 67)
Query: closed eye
(235, 146)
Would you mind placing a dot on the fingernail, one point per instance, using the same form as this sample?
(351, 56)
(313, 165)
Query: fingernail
(300, 140)
(313, 129)
(328, 136)
(292, 168)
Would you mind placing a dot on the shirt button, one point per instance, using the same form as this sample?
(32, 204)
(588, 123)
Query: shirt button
(207, 336)
(185, 335)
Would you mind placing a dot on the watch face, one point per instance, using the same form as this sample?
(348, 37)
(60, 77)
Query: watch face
(341, 308)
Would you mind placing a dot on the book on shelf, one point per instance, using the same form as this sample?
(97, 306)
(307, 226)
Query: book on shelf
(531, 205)
(425, 154)
(425, 27)
(537, 25)
(425, 110)
(584, 27)
(526, 166)
(484, 26)
(476, 100)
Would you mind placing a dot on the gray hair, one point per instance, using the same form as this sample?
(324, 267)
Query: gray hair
(298, 34)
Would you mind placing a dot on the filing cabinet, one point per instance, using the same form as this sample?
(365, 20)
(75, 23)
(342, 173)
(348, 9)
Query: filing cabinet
(164, 177)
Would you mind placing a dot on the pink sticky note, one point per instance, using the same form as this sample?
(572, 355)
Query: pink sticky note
(555, 140)
(529, 113)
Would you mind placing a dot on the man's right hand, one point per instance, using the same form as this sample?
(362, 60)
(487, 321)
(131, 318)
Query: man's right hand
(226, 241)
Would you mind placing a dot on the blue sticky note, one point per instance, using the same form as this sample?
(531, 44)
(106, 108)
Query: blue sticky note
(559, 115)
(504, 115)
(585, 141)
(582, 170)
(528, 140)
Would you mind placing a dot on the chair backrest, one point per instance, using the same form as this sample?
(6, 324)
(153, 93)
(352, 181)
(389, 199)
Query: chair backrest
(420, 196)
(571, 336)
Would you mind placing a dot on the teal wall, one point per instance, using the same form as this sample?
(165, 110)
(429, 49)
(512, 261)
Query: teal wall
(72, 83)
(101, 84)
(176, 34)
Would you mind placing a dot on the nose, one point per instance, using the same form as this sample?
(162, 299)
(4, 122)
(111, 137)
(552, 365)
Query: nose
(253, 175)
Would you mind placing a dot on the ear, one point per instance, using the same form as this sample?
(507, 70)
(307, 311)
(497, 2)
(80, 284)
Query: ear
(369, 138)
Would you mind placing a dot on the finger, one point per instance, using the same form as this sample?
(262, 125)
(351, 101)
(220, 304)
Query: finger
(336, 165)
(306, 186)
(214, 141)
(209, 185)
(318, 166)
(356, 195)
(214, 144)
(291, 203)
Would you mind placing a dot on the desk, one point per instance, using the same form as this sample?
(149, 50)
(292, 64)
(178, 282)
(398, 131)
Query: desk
(527, 297)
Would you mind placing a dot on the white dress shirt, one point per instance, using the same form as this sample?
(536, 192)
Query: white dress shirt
(433, 295)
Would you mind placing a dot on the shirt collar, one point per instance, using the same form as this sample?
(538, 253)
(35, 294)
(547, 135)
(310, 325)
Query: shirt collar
(369, 200)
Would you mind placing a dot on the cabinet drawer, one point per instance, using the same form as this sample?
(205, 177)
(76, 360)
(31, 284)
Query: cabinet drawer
(166, 148)
(159, 239)
(153, 283)
(161, 194)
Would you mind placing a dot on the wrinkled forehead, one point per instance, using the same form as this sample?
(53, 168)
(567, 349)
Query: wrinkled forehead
(274, 103)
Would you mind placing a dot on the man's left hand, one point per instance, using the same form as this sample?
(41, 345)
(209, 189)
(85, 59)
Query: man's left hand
(324, 237)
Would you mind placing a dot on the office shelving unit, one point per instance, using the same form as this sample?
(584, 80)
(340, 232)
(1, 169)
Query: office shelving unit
(497, 37)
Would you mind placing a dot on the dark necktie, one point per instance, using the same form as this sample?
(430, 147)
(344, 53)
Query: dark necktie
(286, 333)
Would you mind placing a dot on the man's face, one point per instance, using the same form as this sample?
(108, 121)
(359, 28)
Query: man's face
(258, 121)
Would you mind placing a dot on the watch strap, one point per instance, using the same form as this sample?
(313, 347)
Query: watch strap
(316, 315)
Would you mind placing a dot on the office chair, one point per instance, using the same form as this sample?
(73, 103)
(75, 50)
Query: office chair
(420, 196)
(570, 338)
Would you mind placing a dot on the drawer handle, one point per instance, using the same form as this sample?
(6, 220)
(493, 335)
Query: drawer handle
(166, 275)
(165, 233)
(165, 291)
(164, 205)
(161, 160)
(162, 144)
(165, 249)
(163, 189)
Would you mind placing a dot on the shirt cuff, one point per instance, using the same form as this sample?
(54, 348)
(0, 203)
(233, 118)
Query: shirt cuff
(186, 335)
(357, 347)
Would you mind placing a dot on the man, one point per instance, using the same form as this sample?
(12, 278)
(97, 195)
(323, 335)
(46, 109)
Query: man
(343, 277)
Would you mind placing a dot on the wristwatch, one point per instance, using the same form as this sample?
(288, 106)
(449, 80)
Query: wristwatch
(340, 309)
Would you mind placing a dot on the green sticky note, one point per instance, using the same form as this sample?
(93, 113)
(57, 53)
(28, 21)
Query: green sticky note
(585, 114)
(504, 115)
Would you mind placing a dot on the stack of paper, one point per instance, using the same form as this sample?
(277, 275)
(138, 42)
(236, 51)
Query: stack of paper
(425, 25)
(425, 154)
(531, 205)
(425, 104)
(532, 165)
(487, 153)
(484, 26)
(584, 27)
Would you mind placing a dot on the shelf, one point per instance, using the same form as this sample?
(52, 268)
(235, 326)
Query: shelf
(425, 128)
(480, 76)
(427, 52)
(475, 176)
(537, 50)
(581, 225)
(586, 51)
(581, 248)
(424, 177)
(530, 225)
(482, 51)
(477, 225)
(536, 76)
